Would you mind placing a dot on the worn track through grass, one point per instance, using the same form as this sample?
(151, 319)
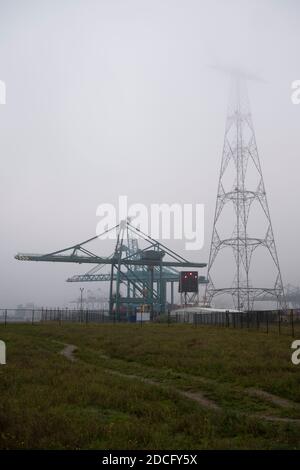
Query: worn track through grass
(68, 352)
(150, 387)
(198, 396)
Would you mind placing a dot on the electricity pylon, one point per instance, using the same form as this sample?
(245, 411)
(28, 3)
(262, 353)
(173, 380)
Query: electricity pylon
(240, 185)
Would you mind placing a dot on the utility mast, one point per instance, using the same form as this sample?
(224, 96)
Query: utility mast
(241, 189)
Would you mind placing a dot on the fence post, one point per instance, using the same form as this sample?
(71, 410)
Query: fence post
(5, 317)
(267, 322)
(32, 317)
(292, 322)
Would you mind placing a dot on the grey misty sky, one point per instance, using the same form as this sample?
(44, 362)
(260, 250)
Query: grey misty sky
(106, 98)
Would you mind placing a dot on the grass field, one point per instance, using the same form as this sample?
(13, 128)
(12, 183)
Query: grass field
(150, 387)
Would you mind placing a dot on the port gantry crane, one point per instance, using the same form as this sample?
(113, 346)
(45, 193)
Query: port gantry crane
(145, 272)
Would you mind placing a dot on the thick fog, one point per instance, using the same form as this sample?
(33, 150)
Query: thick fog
(107, 98)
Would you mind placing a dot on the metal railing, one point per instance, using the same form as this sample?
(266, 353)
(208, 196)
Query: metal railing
(261, 320)
(59, 315)
(265, 321)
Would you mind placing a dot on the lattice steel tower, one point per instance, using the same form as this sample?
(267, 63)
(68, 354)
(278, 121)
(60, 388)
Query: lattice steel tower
(241, 186)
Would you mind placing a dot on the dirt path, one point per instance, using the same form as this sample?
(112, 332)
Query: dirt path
(199, 397)
(269, 397)
(282, 402)
(68, 352)
(195, 396)
(277, 419)
(206, 402)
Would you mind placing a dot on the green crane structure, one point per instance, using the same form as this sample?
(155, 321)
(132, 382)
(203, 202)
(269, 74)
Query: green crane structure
(144, 272)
